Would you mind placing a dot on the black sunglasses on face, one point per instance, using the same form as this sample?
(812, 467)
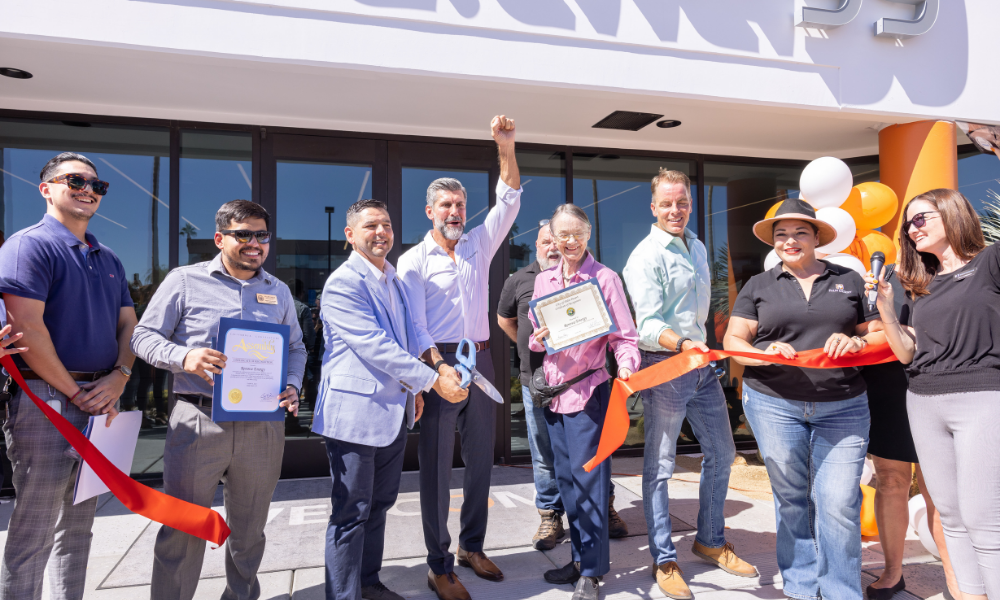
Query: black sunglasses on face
(79, 182)
(243, 236)
(918, 219)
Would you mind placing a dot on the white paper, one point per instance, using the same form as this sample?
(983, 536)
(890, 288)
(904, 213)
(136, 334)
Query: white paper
(116, 443)
(252, 380)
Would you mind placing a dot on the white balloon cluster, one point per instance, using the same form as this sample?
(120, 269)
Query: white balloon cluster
(918, 522)
(825, 184)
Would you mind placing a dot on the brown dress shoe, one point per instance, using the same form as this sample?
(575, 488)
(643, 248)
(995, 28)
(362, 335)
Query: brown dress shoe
(447, 586)
(550, 530)
(668, 577)
(482, 566)
(616, 527)
(725, 558)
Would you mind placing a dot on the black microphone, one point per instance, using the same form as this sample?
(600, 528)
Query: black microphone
(878, 261)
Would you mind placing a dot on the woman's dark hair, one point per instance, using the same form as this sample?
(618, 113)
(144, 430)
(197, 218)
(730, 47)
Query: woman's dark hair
(240, 211)
(811, 224)
(961, 226)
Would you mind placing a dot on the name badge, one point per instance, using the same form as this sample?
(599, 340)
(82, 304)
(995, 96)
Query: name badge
(964, 274)
(267, 299)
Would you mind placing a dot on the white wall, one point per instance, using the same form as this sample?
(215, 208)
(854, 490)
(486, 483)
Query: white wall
(737, 53)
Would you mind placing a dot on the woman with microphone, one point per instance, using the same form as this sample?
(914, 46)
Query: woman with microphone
(811, 424)
(953, 400)
(575, 417)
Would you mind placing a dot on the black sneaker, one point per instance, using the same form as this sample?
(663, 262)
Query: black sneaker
(568, 574)
(586, 589)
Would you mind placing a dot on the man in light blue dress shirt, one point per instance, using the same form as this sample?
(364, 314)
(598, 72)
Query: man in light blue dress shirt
(446, 277)
(668, 278)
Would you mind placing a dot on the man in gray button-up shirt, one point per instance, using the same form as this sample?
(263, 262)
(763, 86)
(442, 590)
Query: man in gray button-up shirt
(176, 333)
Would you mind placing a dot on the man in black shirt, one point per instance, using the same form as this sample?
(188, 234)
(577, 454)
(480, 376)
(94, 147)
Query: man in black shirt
(512, 315)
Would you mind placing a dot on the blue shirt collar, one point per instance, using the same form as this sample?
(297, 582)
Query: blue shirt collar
(215, 266)
(62, 233)
(666, 239)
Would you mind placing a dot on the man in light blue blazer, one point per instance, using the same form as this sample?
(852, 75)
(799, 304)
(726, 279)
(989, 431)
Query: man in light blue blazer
(372, 378)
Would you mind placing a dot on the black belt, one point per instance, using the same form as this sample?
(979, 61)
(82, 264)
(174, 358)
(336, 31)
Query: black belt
(661, 352)
(76, 375)
(453, 348)
(196, 399)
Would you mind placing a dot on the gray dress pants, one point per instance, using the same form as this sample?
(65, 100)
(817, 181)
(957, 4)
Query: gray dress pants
(246, 457)
(45, 528)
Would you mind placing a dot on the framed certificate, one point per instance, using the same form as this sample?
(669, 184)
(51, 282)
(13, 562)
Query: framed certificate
(573, 315)
(255, 373)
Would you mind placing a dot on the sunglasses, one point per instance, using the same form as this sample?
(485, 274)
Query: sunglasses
(543, 222)
(919, 219)
(243, 236)
(79, 182)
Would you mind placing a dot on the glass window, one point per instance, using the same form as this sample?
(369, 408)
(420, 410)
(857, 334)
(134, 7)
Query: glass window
(543, 181)
(618, 187)
(310, 245)
(216, 167)
(979, 178)
(133, 221)
(736, 197)
(415, 183)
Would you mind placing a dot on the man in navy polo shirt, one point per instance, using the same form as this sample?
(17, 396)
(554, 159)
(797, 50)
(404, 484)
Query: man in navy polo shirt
(67, 294)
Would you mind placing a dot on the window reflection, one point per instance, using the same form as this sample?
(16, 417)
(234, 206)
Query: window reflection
(543, 180)
(313, 199)
(216, 167)
(133, 221)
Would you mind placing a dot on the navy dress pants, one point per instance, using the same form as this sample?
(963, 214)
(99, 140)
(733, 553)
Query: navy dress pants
(584, 495)
(365, 486)
(475, 417)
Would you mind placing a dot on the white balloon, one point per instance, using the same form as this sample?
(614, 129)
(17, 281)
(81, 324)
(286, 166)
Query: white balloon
(771, 260)
(843, 223)
(918, 522)
(846, 260)
(826, 182)
(867, 472)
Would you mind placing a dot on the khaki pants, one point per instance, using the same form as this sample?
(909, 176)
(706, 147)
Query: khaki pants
(246, 457)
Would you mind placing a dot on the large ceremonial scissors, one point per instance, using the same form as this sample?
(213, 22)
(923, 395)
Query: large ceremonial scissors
(466, 355)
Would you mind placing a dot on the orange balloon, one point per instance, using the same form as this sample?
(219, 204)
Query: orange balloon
(772, 210)
(869, 527)
(872, 205)
(876, 241)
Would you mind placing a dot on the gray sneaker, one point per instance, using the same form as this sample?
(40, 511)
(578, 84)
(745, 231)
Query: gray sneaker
(379, 592)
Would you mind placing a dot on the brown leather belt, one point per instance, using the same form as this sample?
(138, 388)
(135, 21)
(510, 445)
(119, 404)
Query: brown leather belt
(453, 348)
(196, 399)
(76, 375)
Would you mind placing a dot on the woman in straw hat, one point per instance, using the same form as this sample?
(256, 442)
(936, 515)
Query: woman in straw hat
(811, 424)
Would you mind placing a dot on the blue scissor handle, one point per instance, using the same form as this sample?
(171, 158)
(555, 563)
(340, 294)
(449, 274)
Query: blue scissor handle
(466, 355)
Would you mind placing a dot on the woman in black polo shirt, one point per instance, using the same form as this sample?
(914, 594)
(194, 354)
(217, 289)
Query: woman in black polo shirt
(953, 400)
(811, 424)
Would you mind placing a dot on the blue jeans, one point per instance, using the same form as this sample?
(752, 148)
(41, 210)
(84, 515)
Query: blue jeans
(698, 396)
(814, 452)
(542, 464)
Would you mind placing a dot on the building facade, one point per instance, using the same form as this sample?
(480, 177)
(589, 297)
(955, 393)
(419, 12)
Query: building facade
(309, 105)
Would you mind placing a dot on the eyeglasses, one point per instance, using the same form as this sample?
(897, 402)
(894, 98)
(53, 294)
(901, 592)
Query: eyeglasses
(918, 219)
(580, 237)
(79, 182)
(243, 236)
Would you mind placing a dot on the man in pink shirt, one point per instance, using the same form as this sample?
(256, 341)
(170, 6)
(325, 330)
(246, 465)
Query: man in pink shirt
(575, 417)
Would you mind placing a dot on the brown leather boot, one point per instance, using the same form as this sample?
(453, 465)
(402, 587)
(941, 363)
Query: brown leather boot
(550, 530)
(447, 586)
(725, 558)
(480, 564)
(668, 577)
(616, 527)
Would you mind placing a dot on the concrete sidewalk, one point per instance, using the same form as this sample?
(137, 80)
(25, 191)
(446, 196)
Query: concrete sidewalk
(121, 556)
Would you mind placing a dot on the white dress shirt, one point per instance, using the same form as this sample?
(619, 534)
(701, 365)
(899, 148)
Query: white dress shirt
(451, 298)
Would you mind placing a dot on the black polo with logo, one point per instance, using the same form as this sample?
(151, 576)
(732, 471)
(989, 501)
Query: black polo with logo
(775, 300)
(514, 299)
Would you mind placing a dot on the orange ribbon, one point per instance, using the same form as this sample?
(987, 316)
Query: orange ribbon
(617, 422)
(192, 519)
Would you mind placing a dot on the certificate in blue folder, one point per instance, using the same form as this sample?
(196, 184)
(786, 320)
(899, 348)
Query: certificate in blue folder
(255, 373)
